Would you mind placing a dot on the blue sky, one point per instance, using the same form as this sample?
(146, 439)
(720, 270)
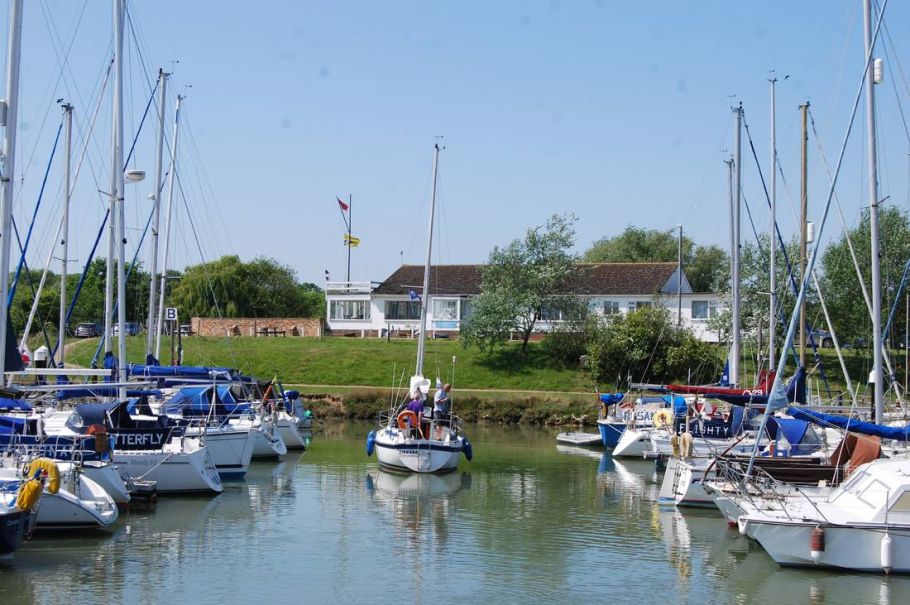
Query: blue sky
(616, 112)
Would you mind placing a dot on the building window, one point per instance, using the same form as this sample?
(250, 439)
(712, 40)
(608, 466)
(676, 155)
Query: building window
(402, 309)
(445, 309)
(611, 307)
(350, 309)
(551, 314)
(638, 304)
(703, 309)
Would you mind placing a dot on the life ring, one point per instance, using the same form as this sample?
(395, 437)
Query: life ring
(28, 495)
(50, 467)
(662, 419)
(408, 419)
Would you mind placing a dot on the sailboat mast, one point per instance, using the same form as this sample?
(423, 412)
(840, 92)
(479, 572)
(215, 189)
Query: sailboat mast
(117, 191)
(13, 57)
(803, 225)
(421, 342)
(737, 188)
(167, 228)
(159, 168)
(872, 175)
(64, 236)
(772, 235)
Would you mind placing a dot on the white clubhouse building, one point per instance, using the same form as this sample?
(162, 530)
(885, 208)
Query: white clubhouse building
(392, 307)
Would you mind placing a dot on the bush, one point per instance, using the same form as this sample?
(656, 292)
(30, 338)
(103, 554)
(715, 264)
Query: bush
(565, 345)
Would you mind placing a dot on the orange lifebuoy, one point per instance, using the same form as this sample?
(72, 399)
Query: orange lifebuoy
(408, 419)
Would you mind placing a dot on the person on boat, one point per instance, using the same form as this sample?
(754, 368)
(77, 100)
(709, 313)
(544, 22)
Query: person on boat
(442, 406)
(416, 406)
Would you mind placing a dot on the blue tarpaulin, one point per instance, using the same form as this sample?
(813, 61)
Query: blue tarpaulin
(14, 404)
(899, 433)
(611, 398)
(135, 369)
(197, 401)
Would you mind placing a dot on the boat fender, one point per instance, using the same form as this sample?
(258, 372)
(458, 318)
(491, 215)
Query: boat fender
(468, 450)
(28, 495)
(817, 544)
(50, 467)
(371, 442)
(685, 445)
(674, 443)
(887, 554)
(743, 526)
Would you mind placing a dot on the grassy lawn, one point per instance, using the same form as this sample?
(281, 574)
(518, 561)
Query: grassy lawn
(364, 362)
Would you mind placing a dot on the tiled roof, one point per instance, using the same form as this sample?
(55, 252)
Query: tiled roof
(593, 279)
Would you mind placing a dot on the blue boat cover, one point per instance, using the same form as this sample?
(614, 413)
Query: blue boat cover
(135, 369)
(102, 391)
(611, 398)
(899, 433)
(11, 425)
(197, 401)
(14, 404)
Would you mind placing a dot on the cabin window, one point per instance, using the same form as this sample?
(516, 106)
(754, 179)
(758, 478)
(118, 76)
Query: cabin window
(611, 307)
(703, 309)
(350, 309)
(902, 504)
(402, 309)
(444, 309)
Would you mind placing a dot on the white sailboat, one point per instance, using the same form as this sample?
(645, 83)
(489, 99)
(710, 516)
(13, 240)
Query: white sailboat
(420, 442)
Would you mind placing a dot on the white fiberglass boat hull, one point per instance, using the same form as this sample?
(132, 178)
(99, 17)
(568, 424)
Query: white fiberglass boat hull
(231, 448)
(633, 443)
(108, 477)
(289, 430)
(182, 466)
(683, 483)
(395, 451)
(856, 547)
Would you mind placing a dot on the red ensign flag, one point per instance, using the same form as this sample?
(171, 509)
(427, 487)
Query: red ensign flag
(342, 204)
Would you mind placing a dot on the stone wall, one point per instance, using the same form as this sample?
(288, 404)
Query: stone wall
(257, 326)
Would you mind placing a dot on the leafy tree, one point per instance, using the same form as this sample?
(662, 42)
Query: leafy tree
(707, 267)
(260, 288)
(646, 345)
(843, 294)
(521, 283)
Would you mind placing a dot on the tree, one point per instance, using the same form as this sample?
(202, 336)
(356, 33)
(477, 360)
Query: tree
(843, 294)
(707, 267)
(524, 283)
(645, 345)
(262, 287)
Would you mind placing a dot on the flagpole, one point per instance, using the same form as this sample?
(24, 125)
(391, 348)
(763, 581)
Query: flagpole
(350, 220)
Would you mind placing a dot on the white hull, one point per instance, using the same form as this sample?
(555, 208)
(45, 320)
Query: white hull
(108, 477)
(396, 451)
(289, 430)
(183, 466)
(267, 441)
(633, 444)
(231, 449)
(80, 503)
(855, 548)
(683, 483)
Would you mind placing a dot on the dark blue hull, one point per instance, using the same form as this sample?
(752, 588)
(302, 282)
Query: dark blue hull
(13, 527)
(610, 432)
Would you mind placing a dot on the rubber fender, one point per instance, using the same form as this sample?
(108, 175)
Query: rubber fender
(371, 442)
(468, 450)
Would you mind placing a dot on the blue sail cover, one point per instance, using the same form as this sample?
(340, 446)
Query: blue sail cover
(12, 425)
(8, 405)
(899, 433)
(102, 391)
(152, 371)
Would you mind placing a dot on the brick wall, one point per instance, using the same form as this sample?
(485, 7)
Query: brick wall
(255, 326)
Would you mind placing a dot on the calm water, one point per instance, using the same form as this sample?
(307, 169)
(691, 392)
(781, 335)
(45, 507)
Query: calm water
(525, 522)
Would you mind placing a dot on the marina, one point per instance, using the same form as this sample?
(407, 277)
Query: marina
(525, 522)
(536, 404)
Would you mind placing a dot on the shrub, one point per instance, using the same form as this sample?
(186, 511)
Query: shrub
(566, 344)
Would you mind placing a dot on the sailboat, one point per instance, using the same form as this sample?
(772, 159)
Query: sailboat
(420, 442)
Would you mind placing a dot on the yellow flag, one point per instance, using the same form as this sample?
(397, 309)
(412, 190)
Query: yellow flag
(351, 240)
